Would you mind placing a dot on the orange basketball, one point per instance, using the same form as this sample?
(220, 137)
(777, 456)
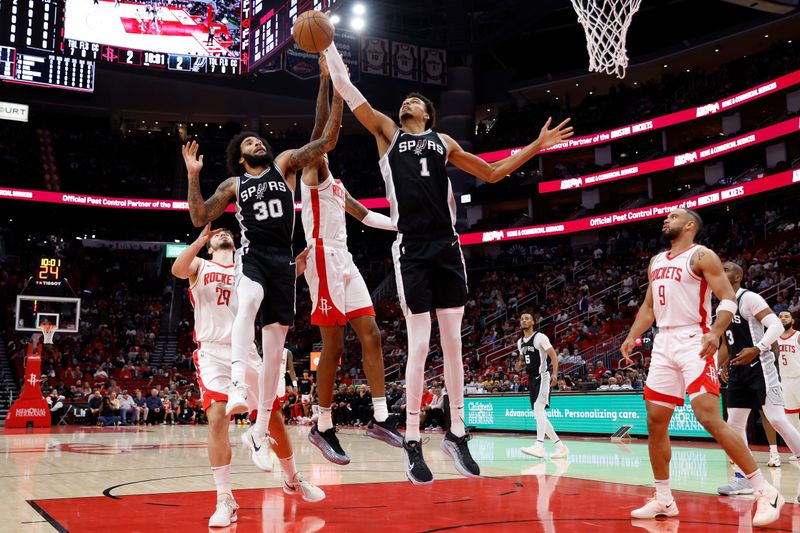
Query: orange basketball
(313, 31)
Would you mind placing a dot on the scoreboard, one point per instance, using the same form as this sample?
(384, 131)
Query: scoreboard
(31, 48)
(269, 26)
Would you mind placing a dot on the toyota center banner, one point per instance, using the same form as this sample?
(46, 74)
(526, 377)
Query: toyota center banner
(576, 413)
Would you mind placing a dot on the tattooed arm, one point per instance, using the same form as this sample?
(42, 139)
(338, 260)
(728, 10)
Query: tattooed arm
(323, 105)
(291, 161)
(202, 212)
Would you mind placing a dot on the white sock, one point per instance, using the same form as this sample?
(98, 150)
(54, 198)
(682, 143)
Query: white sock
(222, 479)
(457, 421)
(288, 467)
(379, 410)
(412, 426)
(663, 492)
(773, 448)
(757, 480)
(325, 422)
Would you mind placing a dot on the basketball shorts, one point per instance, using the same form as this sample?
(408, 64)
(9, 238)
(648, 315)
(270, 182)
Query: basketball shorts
(213, 364)
(273, 269)
(430, 273)
(539, 389)
(750, 387)
(676, 368)
(338, 292)
(791, 394)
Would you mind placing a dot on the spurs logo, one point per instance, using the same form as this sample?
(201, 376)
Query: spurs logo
(323, 306)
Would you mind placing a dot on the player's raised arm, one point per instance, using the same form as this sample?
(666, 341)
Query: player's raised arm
(369, 218)
(323, 105)
(494, 172)
(707, 264)
(381, 126)
(204, 211)
(187, 263)
(291, 161)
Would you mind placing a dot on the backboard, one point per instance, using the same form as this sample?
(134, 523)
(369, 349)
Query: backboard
(33, 310)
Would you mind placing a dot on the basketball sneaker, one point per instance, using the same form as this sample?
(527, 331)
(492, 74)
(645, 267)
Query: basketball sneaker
(737, 485)
(328, 444)
(657, 526)
(768, 506)
(537, 450)
(774, 460)
(656, 509)
(417, 471)
(458, 449)
(385, 431)
(225, 513)
(561, 452)
(298, 485)
(237, 399)
(260, 451)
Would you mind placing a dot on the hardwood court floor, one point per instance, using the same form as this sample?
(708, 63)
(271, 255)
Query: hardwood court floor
(157, 479)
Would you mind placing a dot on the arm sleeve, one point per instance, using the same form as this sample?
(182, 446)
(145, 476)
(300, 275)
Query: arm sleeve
(340, 79)
(774, 330)
(379, 221)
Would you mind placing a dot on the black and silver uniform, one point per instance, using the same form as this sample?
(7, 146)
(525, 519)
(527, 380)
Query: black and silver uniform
(535, 358)
(265, 210)
(420, 195)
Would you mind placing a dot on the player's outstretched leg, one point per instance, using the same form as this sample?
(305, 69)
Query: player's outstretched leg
(219, 455)
(419, 335)
(293, 482)
(323, 434)
(382, 426)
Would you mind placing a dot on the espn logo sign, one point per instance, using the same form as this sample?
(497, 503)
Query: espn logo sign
(571, 183)
(489, 236)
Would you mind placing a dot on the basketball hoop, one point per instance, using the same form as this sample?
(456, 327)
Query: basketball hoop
(48, 330)
(606, 23)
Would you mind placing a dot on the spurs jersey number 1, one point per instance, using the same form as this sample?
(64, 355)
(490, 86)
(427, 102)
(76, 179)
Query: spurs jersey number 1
(680, 297)
(420, 195)
(265, 209)
(211, 297)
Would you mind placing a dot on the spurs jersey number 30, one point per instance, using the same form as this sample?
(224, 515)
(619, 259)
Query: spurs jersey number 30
(680, 297)
(211, 297)
(265, 209)
(419, 192)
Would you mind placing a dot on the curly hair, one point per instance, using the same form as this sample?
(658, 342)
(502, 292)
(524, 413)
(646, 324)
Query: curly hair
(429, 109)
(233, 153)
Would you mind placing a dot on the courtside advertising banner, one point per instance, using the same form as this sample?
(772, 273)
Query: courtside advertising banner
(12, 111)
(576, 413)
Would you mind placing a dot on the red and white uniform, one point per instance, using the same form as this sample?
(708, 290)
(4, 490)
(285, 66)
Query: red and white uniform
(789, 367)
(338, 292)
(682, 307)
(211, 295)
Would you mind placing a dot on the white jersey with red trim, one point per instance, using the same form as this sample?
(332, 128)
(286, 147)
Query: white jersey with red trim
(680, 297)
(211, 296)
(324, 211)
(789, 355)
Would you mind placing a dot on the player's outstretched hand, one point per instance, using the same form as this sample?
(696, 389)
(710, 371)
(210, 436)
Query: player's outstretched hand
(710, 345)
(194, 164)
(746, 356)
(207, 233)
(301, 261)
(550, 137)
(627, 348)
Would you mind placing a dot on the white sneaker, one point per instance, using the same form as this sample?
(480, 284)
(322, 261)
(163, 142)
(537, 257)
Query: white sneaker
(561, 452)
(793, 459)
(237, 399)
(656, 509)
(260, 451)
(537, 450)
(768, 506)
(225, 513)
(774, 460)
(311, 493)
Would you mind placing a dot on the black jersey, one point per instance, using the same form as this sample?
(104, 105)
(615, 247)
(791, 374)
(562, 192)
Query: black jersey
(265, 210)
(534, 351)
(744, 332)
(420, 195)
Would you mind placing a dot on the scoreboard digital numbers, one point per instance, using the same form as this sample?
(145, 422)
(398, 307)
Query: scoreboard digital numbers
(49, 70)
(31, 24)
(269, 26)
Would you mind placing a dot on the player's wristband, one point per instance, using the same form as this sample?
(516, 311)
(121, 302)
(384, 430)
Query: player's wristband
(727, 305)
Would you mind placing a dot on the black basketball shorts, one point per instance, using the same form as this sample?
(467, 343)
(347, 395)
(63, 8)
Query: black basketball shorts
(273, 269)
(430, 273)
(751, 387)
(539, 389)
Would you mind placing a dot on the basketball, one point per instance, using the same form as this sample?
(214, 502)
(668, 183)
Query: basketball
(313, 31)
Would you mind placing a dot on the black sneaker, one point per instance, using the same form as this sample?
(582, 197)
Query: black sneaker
(385, 431)
(457, 448)
(417, 471)
(328, 444)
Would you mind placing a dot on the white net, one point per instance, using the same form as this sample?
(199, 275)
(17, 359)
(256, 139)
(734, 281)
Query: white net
(48, 330)
(606, 23)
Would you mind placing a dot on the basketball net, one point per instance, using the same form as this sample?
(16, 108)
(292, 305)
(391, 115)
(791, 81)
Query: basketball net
(606, 23)
(48, 330)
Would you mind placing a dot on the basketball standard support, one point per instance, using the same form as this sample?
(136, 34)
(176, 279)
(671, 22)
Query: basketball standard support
(30, 409)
